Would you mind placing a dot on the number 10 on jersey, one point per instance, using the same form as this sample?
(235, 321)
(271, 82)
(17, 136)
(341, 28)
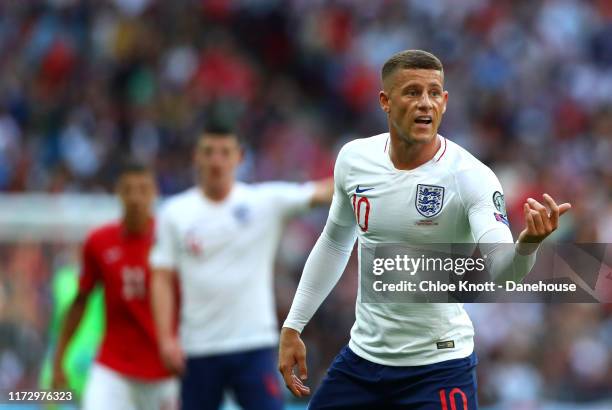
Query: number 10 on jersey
(361, 208)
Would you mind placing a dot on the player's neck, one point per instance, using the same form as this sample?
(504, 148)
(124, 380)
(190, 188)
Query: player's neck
(407, 156)
(136, 224)
(216, 193)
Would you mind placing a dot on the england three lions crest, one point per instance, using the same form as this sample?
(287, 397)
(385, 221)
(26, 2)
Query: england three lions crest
(429, 200)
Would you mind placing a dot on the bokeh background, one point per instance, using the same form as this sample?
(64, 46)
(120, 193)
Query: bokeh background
(86, 83)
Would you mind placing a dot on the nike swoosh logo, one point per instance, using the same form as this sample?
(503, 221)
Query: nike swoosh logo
(360, 190)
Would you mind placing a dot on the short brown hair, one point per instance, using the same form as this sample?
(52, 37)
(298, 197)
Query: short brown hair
(411, 59)
(131, 166)
(215, 128)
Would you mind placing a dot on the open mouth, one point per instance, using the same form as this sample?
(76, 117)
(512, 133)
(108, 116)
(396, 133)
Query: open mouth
(423, 119)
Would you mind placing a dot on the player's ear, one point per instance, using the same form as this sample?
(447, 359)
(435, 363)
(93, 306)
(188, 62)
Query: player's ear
(384, 100)
(445, 101)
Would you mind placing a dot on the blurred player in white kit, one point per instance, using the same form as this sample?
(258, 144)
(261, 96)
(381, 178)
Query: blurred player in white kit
(220, 238)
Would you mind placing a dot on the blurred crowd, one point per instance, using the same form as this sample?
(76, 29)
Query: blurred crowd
(84, 83)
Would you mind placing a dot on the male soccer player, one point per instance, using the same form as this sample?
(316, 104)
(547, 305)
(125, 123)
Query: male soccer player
(410, 185)
(129, 372)
(220, 237)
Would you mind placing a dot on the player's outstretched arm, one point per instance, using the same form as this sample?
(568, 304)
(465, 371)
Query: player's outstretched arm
(292, 352)
(71, 324)
(540, 221)
(323, 192)
(162, 305)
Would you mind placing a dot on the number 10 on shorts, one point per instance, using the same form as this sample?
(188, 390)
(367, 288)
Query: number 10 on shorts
(451, 399)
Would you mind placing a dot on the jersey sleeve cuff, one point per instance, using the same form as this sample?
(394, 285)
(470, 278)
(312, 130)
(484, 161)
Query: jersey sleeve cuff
(293, 325)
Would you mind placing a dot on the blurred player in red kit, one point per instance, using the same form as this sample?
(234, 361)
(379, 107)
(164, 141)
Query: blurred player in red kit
(128, 372)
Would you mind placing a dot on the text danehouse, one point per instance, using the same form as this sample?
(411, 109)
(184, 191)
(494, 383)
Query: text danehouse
(466, 286)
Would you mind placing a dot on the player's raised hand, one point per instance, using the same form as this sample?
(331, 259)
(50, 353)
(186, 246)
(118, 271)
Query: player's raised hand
(541, 221)
(172, 355)
(292, 352)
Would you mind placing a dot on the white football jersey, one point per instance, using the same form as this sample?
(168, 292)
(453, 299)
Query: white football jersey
(453, 198)
(224, 254)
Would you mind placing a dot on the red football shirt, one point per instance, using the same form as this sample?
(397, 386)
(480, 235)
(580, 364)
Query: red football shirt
(119, 261)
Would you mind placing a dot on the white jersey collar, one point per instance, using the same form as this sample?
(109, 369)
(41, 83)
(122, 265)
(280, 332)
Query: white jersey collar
(437, 157)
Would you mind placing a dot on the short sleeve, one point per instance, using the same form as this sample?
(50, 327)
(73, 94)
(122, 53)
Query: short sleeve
(90, 273)
(290, 198)
(164, 253)
(341, 211)
(483, 198)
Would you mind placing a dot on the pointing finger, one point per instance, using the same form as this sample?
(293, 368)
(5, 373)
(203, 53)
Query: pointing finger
(563, 208)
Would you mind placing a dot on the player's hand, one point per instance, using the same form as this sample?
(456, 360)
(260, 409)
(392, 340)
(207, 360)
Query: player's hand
(292, 352)
(59, 379)
(172, 355)
(541, 221)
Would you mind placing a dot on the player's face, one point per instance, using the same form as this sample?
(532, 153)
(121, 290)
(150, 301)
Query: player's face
(216, 160)
(137, 191)
(415, 102)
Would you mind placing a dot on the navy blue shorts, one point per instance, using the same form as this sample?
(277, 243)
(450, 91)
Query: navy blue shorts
(358, 384)
(250, 375)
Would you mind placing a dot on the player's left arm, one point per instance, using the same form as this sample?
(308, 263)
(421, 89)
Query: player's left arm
(483, 199)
